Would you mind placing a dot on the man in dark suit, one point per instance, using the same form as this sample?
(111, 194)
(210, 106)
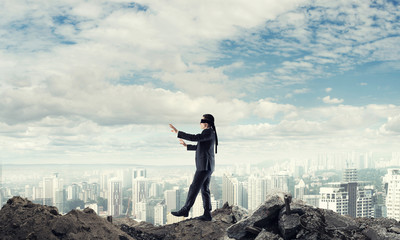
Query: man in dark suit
(205, 164)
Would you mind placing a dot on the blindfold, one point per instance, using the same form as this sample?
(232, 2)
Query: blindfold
(206, 121)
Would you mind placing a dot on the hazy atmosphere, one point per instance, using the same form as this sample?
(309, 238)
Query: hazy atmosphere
(99, 81)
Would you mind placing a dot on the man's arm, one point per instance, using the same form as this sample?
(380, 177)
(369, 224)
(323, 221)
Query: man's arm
(191, 147)
(205, 135)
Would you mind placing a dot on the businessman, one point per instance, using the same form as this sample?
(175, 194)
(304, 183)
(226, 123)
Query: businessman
(205, 163)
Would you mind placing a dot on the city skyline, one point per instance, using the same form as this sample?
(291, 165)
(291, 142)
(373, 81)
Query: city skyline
(137, 192)
(99, 81)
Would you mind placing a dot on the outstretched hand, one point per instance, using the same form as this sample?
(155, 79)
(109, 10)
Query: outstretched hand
(173, 129)
(182, 142)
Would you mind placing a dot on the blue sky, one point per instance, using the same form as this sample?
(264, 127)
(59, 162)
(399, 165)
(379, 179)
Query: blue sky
(99, 81)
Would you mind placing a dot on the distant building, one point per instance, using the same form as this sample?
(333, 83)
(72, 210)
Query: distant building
(312, 200)
(280, 181)
(50, 186)
(141, 210)
(139, 193)
(160, 214)
(73, 192)
(392, 187)
(155, 190)
(173, 219)
(336, 197)
(350, 175)
(233, 191)
(60, 198)
(300, 190)
(114, 197)
(257, 188)
(172, 199)
(139, 173)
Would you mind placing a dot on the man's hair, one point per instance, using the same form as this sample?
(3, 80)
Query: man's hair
(209, 117)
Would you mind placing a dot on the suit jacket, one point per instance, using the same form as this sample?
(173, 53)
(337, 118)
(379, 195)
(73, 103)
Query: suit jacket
(205, 158)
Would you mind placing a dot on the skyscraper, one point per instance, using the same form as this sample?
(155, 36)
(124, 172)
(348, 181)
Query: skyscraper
(300, 190)
(233, 191)
(392, 186)
(336, 197)
(172, 199)
(160, 214)
(229, 189)
(280, 181)
(73, 191)
(114, 197)
(139, 193)
(257, 191)
(50, 186)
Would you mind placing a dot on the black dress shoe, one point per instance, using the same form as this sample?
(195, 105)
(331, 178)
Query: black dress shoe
(181, 213)
(205, 217)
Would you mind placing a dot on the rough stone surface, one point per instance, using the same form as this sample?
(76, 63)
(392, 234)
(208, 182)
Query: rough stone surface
(264, 234)
(289, 225)
(261, 217)
(191, 229)
(22, 219)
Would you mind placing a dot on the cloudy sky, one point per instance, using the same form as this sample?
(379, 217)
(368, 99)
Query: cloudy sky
(99, 81)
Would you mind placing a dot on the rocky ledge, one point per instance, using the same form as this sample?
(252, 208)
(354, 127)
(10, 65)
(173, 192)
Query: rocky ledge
(274, 219)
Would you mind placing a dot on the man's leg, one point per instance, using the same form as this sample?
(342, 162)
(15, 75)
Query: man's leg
(205, 194)
(198, 180)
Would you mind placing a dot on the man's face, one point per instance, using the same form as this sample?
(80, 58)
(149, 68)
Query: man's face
(203, 125)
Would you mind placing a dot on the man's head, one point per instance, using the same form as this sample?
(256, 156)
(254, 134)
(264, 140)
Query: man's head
(207, 121)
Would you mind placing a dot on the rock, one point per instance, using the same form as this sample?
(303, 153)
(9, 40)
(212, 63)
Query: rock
(289, 225)
(265, 214)
(394, 230)
(264, 234)
(190, 229)
(22, 219)
(239, 213)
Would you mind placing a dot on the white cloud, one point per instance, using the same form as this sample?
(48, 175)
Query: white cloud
(330, 100)
(392, 126)
(328, 90)
(301, 91)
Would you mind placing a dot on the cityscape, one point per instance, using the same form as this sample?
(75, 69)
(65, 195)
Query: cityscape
(355, 184)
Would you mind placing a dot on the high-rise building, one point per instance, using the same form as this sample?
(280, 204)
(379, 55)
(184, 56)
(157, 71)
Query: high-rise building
(229, 189)
(37, 193)
(172, 199)
(233, 191)
(336, 197)
(60, 197)
(155, 190)
(73, 192)
(127, 178)
(392, 187)
(280, 181)
(139, 173)
(160, 214)
(350, 175)
(257, 191)
(139, 193)
(50, 186)
(114, 197)
(300, 190)
(28, 192)
(141, 210)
